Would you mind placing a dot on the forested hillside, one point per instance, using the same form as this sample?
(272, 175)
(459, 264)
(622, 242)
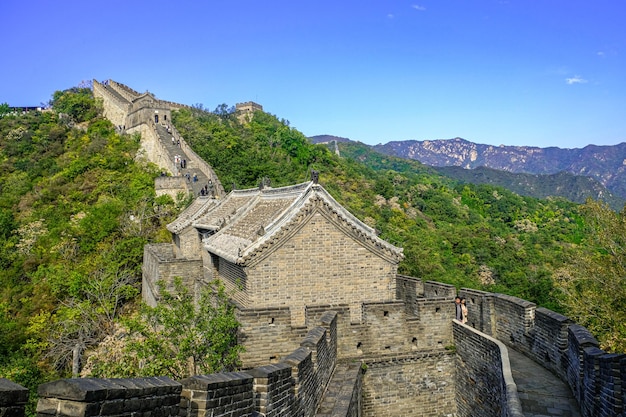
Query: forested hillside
(75, 213)
(76, 210)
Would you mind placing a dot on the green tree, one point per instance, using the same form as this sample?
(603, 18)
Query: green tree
(593, 286)
(178, 338)
(76, 102)
(4, 109)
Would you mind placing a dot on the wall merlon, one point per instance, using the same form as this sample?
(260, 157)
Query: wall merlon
(434, 289)
(582, 337)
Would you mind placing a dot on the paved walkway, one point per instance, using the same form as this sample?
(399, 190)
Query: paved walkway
(541, 393)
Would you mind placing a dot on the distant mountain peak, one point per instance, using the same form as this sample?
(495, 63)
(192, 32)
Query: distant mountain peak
(606, 164)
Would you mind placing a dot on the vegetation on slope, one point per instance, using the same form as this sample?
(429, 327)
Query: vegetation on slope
(575, 188)
(75, 213)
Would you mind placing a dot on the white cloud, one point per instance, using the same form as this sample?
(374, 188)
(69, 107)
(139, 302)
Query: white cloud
(418, 7)
(576, 79)
(601, 54)
(389, 16)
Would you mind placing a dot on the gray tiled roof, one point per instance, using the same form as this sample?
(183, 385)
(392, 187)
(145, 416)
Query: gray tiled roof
(250, 222)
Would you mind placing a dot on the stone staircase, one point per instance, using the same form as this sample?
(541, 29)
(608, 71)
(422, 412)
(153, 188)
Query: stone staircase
(196, 180)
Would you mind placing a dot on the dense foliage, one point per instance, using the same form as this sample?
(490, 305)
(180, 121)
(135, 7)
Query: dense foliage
(564, 184)
(75, 213)
(242, 155)
(178, 337)
(593, 283)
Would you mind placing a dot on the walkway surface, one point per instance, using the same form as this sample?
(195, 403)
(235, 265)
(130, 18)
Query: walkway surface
(540, 391)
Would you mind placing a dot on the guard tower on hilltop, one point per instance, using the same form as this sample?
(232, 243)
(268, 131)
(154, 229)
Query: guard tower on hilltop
(246, 110)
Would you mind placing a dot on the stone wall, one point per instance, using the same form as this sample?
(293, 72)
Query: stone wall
(267, 335)
(386, 329)
(80, 397)
(152, 149)
(344, 272)
(556, 343)
(597, 378)
(403, 377)
(13, 399)
(160, 263)
(421, 385)
(124, 90)
(114, 109)
(293, 387)
(485, 385)
(175, 187)
(195, 162)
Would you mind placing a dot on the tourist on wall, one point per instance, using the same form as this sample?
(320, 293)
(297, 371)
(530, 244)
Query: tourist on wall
(459, 310)
(464, 310)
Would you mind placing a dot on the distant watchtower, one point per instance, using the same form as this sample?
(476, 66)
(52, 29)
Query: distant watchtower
(246, 110)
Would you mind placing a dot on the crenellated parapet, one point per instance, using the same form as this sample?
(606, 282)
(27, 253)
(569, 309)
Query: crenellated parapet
(293, 387)
(13, 398)
(556, 343)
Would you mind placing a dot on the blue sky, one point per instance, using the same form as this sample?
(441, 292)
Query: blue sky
(515, 72)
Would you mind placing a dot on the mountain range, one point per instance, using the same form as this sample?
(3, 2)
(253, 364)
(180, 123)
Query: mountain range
(594, 171)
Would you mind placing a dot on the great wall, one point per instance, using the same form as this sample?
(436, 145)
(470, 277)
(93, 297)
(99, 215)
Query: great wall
(330, 328)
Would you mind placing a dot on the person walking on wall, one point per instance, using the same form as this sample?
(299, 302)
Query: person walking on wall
(464, 310)
(459, 311)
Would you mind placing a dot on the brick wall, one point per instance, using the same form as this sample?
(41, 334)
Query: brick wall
(294, 387)
(485, 386)
(13, 399)
(195, 162)
(555, 342)
(152, 149)
(234, 278)
(113, 108)
(321, 265)
(175, 187)
(223, 394)
(78, 397)
(267, 335)
(418, 386)
(160, 263)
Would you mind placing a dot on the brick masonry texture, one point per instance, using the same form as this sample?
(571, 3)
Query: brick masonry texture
(13, 399)
(485, 386)
(420, 386)
(78, 397)
(345, 273)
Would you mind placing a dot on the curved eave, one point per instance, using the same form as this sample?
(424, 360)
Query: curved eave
(317, 200)
(186, 218)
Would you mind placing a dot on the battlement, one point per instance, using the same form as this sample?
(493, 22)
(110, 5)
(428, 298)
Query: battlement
(246, 110)
(295, 382)
(293, 387)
